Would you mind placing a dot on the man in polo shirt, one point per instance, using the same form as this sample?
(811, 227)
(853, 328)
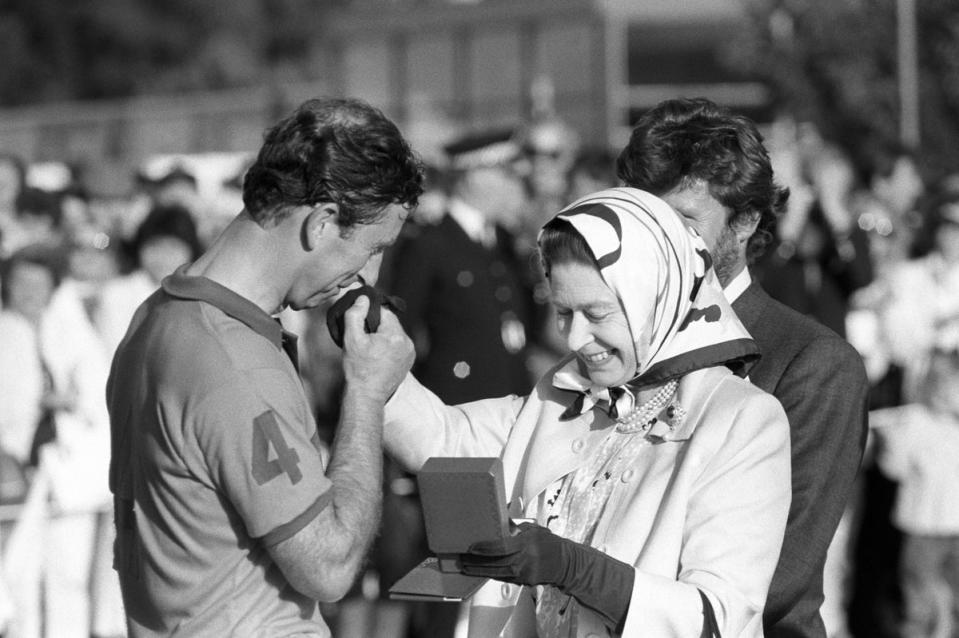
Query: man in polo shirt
(230, 520)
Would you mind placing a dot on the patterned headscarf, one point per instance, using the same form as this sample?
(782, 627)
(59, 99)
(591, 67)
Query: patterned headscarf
(648, 257)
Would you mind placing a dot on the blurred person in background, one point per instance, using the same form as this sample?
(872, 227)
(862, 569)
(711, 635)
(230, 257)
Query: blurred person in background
(887, 207)
(62, 431)
(165, 240)
(12, 184)
(550, 147)
(40, 217)
(176, 186)
(467, 304)
(820, 258)
(820, 255)
(923, 293)
(918, 448)
(593, 170)
(711, 166)
(890, 171)
(469, 311)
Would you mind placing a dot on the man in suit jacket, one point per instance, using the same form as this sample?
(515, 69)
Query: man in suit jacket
(711, 166)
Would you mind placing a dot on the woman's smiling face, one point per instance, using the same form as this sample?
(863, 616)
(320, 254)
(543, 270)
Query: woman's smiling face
(592, 321)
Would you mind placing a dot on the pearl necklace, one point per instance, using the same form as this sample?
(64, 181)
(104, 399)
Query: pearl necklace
(641, 417)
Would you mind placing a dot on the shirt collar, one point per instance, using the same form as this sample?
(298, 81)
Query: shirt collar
(737, 286)
(202, 289)
(471, 220)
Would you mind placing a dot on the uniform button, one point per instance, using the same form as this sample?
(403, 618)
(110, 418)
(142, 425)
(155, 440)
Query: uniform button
(627, 476)
(464, 278)
(503, 294)
(505, 589)
(578, 445)
(461, 370)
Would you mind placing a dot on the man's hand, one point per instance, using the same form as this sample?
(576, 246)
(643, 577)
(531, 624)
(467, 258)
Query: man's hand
(376, 361)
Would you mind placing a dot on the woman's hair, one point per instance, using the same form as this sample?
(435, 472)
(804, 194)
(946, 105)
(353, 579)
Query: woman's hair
(46, 256)
(168, 220)
(559, 243)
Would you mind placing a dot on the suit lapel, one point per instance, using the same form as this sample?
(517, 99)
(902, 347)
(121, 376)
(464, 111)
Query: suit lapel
(749, 306)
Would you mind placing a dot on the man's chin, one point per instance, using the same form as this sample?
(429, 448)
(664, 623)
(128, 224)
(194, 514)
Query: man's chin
(317, 300)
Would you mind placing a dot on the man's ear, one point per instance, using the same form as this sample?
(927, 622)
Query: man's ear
(319, 223)
(746, 225)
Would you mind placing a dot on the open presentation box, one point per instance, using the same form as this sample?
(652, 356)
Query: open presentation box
(464, 502)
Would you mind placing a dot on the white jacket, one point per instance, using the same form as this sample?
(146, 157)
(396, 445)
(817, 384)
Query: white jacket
(705, 508)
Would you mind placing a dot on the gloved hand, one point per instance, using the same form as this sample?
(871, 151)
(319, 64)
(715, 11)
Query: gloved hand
(334, 316)
(536, 556)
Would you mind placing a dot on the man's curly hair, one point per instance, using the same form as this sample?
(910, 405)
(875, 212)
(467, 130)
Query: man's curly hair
(335, 150)
(684, 140)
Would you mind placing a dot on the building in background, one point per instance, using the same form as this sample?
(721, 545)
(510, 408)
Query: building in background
(435, 66)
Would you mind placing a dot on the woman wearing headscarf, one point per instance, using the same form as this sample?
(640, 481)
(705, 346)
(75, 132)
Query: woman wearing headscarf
(657, 476)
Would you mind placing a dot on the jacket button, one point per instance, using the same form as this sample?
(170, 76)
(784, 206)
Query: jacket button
(627, 476)
(505, 590)
(578, 445)
(464, 278)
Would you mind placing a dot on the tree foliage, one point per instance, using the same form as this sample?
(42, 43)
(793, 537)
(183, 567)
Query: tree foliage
(834, 63)
(79, 49)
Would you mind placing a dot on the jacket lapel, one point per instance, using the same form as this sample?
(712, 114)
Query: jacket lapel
(749, 305)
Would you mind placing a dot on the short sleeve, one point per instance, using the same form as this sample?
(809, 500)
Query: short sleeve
(260, 445)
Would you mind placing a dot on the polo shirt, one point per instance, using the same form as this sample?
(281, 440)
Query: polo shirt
(215, 457)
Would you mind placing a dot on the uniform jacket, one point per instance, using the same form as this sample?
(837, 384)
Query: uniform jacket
(703, 507)
(821, 382)
(467, 301)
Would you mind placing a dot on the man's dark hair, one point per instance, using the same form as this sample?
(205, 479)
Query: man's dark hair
(684, 140)
(335, 150)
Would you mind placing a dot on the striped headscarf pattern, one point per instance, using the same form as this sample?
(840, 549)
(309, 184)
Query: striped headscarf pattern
(662, 273)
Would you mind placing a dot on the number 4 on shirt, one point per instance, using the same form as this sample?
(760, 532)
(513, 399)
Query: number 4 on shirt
(267, 435)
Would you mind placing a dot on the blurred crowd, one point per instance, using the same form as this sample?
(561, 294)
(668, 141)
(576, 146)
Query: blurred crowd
(868, 247)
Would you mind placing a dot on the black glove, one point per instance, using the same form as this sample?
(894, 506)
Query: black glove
(536, 556)
(334, 316)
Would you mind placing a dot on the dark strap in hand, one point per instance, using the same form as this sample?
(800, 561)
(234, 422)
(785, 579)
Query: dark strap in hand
(334, 316)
